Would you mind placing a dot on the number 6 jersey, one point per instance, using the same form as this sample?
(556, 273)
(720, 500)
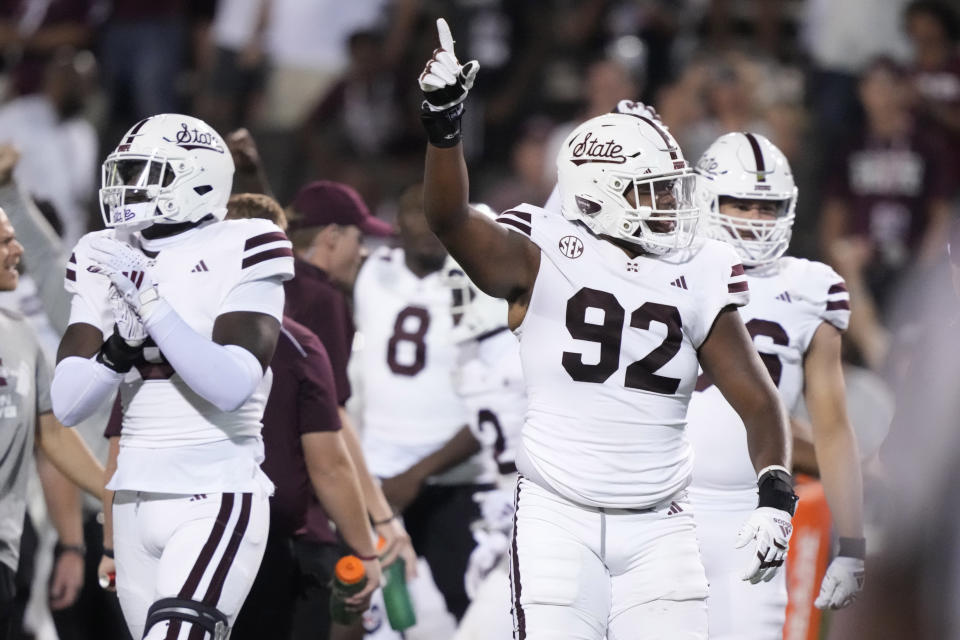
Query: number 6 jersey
(609, 349)
(789, 300)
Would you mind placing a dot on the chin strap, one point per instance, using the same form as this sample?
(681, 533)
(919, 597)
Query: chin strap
(165, 230)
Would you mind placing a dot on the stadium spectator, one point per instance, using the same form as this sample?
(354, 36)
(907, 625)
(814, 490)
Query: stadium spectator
(34, 32)
(239, 63)
(887, 204)
(934, 31)
(57, 145)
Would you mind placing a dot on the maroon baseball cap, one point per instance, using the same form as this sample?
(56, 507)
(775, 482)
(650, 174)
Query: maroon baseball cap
(324, 202)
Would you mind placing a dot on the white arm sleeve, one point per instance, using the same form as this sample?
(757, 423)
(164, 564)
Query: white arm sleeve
(80, 386)
(224, 375)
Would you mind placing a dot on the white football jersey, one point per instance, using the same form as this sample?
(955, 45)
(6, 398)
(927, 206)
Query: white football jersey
(609, 350)
(788, 301)
(407, 361)
(200, 273)
(490, 380)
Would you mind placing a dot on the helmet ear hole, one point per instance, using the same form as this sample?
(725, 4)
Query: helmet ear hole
(203, 189)
(587, 207)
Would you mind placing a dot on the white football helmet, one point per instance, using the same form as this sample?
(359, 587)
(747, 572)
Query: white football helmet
(167, 168)
(474, 312)
(747, 166)
(611, 156)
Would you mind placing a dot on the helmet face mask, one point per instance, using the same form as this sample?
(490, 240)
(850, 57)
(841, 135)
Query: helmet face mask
(624, 177)
(168, 168)
(742, 167)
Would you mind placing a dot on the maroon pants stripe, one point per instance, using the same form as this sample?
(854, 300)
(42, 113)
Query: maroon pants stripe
(515, 575)
(203, 560)
(229, 554)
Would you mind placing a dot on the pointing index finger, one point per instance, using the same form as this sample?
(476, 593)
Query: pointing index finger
(446, 38)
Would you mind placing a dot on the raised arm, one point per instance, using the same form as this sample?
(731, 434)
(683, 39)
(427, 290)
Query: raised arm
(501, 263)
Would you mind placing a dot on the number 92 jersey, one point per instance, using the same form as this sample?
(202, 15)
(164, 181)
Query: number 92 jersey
(789, 300)
(609, 349)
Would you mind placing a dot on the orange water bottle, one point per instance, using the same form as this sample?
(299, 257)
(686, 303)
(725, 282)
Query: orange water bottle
(349, 578)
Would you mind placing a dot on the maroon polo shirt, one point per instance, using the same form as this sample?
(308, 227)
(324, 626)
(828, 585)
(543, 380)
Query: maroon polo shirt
(302, 400)
(316, 303)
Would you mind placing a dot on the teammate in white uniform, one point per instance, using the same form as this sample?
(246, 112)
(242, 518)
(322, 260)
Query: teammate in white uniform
(614, 303)
(181, 312)
(415, 433)
(490, 380)
(797, 312)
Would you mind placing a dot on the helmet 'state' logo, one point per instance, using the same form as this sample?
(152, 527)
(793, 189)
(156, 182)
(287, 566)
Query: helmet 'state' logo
(571, 246)
(589, 149)
(188, 138)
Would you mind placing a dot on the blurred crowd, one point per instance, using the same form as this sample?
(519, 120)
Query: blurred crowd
(863, 96)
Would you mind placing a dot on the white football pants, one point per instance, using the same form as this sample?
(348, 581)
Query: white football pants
(737, 609)
(578, 572)
(204, 548)
(488, 616)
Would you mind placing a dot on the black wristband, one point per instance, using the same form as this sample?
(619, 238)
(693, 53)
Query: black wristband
(108, 552)
(853, 548)
(117, 355)
(443, 127)
(776, 490)
(60, 549)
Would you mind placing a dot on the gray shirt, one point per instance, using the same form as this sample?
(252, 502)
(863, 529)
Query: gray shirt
(24, 395)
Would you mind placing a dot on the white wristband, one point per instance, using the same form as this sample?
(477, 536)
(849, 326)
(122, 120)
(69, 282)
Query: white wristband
(772, 467)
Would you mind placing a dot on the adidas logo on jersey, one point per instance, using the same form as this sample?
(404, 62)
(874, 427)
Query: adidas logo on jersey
(201, 266)
(680, 282)
(674, 509)
(785, 296)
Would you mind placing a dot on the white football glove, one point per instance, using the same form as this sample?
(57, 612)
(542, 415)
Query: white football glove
(130, 271)
(841, 584)
(444, 81)
(491, 547)
(771, 528)
(128, 324)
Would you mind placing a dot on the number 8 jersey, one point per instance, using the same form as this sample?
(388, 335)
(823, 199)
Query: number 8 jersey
(609, 349)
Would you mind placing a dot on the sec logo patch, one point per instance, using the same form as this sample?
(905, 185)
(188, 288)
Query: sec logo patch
(571, 246)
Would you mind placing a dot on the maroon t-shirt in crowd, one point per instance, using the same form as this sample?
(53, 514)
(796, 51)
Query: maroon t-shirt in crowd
(888, 186)
(302, 400)
(941, 88)
(316, 303)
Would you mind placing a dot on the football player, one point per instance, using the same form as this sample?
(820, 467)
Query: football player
(615, 302)
(489, 378)
(415, 433)
(797, 312)
(181, 312)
